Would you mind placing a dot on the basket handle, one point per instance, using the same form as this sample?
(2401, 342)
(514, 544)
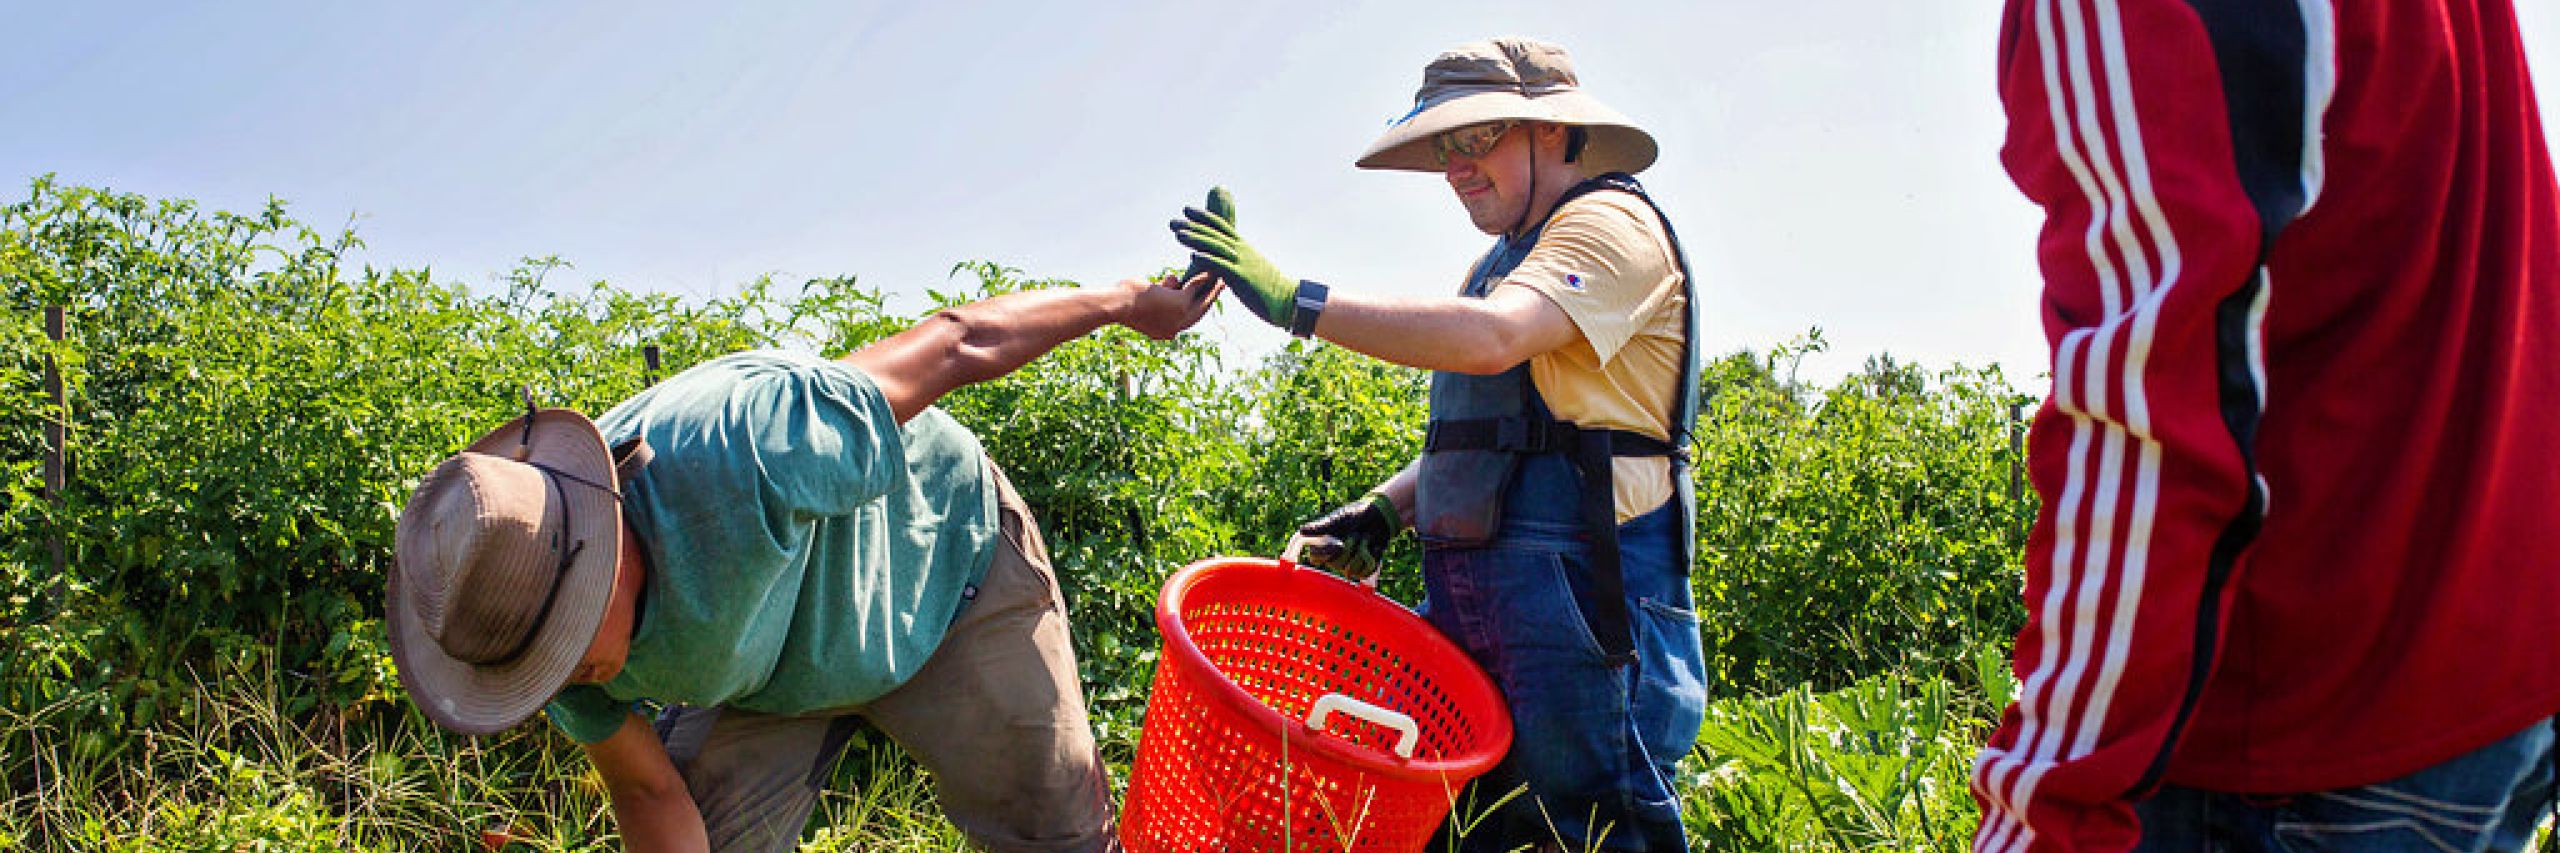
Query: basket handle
(1406, 732)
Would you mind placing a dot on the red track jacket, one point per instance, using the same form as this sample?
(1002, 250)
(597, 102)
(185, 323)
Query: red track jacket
(2301, 460)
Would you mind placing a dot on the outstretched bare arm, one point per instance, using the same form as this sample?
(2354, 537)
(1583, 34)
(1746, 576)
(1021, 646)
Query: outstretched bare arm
(990, 338)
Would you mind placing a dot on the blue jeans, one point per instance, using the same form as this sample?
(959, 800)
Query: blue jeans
(2488, 799)
(1595, 745)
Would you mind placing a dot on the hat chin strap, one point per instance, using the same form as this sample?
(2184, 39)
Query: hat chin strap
(1522, 223)
(559, 573)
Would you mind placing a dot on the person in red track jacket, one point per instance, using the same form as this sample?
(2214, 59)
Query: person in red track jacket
(2296, 577)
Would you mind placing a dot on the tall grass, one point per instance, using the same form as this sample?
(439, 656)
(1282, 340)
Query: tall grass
(233, 772)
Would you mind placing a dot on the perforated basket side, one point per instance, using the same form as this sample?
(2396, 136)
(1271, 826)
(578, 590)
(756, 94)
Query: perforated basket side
(1225, 761)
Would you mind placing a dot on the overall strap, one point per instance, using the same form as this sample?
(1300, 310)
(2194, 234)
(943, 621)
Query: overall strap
(1534, 435)
(1684, 416)
(1684, 412)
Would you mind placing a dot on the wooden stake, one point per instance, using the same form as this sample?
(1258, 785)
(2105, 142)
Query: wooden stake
(54, 437)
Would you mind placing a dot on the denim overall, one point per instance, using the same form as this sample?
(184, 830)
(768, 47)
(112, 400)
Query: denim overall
(1604, 699)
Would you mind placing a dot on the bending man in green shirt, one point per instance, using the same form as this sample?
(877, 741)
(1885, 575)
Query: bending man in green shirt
(774, 547)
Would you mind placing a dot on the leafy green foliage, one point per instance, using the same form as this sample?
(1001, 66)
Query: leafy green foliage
(246, 416)
(1863, 529)
(248, 411)
(1880, 764)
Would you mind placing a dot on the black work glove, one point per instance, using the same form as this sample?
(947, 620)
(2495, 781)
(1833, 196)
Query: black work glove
(1350, 540)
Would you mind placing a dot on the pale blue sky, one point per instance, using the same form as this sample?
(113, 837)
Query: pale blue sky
(1829, 163)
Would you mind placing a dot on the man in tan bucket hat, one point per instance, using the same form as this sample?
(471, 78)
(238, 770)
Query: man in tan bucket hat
(1552, 496)
(773, 547)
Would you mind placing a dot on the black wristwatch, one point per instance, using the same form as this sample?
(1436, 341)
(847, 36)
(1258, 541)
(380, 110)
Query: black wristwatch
(1310, 302)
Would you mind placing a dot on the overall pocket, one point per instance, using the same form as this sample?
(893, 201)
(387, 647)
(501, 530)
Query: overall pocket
(1671, 691)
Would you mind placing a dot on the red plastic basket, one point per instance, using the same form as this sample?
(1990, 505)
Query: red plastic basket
(1281, 703)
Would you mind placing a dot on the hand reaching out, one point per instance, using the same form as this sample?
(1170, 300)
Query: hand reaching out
(1163, 308)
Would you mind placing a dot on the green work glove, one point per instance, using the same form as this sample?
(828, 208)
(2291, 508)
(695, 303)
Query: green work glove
(1351, 540)
(1211, 236)
(1222, 204)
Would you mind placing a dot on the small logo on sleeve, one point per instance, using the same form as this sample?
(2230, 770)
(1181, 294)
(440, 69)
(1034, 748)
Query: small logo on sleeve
(1573, 282)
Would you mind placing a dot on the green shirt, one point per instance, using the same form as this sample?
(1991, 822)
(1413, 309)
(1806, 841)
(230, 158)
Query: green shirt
(806, 552)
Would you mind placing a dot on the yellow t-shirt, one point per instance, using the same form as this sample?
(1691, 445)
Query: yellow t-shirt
(1606, 261)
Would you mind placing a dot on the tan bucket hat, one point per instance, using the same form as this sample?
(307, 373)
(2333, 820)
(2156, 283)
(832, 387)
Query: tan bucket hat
(503, 563)
(1508, 78)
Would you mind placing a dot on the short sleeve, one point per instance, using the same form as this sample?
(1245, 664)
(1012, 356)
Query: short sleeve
(1605, 261)
(824, 438)
(586, 713)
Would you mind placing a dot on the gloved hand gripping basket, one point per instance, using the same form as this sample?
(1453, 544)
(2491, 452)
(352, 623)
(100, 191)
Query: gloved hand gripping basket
(1293, 710)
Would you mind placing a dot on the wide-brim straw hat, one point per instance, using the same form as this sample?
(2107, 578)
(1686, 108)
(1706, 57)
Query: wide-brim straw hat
(504, 562)
(1508, 78)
